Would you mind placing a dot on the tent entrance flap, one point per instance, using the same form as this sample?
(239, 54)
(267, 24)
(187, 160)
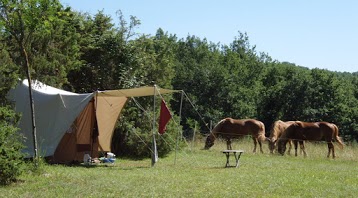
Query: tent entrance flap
(92, 130)
(107, 113)
(79, 139)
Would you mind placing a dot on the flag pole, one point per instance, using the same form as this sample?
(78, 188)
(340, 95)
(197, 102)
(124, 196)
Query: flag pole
(154, 147)
(179, 131)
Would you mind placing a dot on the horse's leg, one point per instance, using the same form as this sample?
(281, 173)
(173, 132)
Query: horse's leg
(255, 143)
(295, 144)
(260, 144)
(228, 144)
(302, 146)
(289, 147)
(331, 148)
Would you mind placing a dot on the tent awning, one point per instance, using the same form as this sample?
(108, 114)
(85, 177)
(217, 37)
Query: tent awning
(136, 92)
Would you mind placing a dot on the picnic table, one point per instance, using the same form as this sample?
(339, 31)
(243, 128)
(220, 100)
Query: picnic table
(236, 153)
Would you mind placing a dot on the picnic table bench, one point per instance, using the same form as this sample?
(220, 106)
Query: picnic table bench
(237, 154)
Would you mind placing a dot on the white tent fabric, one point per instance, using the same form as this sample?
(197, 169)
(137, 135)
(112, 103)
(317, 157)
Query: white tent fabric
(55, 111)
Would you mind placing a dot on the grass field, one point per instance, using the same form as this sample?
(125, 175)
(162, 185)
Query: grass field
(201, 173)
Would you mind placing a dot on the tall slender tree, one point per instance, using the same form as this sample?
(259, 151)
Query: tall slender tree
(20, 22)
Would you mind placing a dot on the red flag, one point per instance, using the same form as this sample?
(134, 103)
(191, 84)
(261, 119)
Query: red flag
(164, 117)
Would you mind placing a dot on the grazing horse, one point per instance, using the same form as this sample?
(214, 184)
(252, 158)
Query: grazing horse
(276, 131)
(229, 128)
(312, 131)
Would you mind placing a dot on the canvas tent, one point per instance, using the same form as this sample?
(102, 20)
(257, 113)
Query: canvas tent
(69, 124)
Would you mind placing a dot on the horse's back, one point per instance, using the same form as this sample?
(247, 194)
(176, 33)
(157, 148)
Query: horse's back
(249, 123)
(240, 127)
(312, 130)
(329, 130)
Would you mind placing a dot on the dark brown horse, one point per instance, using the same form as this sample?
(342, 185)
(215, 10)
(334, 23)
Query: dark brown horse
(276, 131)
(311, 131)
(229, 129)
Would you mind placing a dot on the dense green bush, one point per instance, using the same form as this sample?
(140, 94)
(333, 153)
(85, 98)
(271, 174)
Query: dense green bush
(133, 137)
(11, 159)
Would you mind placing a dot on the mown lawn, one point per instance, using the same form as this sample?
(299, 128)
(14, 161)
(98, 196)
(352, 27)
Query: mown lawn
(201, 173)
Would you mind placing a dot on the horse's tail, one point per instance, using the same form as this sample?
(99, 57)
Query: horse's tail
(261, 134)
(337, 138)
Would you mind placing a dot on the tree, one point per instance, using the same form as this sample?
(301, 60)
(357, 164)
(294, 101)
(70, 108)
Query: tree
(11, 158)
(28, 28)
(109, 62)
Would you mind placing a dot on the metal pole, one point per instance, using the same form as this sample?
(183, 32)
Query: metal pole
(193, 139)
(180, 109)
(180, 134)
(154, 147)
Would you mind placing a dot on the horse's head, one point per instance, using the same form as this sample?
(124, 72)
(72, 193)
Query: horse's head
(281, 146)
(209, 141)
(271, 144)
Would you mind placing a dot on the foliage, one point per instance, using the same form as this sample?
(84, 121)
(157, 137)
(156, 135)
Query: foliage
(8, 74)
(10, 143)
(40, 34)
(11, 159)
(109, 61)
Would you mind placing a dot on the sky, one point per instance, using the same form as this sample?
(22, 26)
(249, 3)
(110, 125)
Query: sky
(311, 33)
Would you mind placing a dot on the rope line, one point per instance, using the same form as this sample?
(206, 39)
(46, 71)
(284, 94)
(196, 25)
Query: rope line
(196, 110)
(170, 138)
(161, 136)
(142, 108)
(142, 140)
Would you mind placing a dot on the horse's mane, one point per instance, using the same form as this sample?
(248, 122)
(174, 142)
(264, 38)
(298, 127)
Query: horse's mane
(218, 126)
(276, 130)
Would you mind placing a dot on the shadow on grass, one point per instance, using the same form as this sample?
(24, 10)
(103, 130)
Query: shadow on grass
(107, 165)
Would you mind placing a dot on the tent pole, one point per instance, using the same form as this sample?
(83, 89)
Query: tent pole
(154, 148)
(180, 109)
(180, 134)
(95, 119)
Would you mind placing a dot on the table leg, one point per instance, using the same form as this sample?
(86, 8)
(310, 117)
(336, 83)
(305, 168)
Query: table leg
(227, 159)
(237, 158)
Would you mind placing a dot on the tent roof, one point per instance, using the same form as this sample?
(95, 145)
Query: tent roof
(55, 111)
(133, 92)
(46, 89)
(136, 92)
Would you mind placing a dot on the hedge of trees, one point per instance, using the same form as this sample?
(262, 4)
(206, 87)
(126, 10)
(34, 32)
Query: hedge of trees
(82, 53)
(236, 81)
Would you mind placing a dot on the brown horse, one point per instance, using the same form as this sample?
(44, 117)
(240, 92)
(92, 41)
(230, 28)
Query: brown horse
(276, 131)
(229, 128)
(312, 131)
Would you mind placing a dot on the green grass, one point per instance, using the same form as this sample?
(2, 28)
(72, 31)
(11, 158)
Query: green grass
(201, 173)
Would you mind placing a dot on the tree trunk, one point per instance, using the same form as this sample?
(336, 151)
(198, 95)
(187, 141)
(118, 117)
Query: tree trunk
(32, 105)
